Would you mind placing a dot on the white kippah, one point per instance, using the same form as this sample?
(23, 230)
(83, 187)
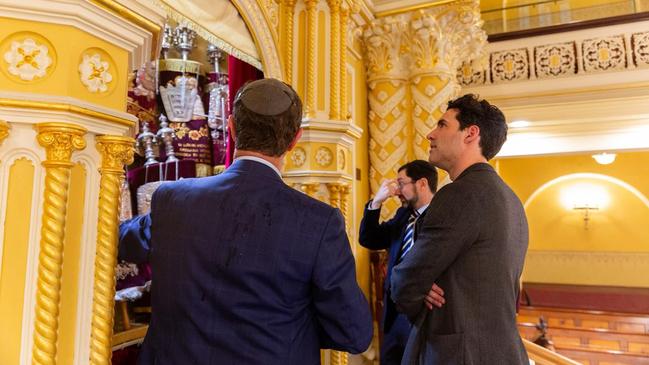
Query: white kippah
(267, 97)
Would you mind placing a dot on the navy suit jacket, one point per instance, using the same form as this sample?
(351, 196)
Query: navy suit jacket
(247, 270)
(385, 236)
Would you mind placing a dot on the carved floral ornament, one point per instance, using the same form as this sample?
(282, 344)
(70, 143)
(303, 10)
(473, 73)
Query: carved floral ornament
(94, 73)
(298, 157)
(433, 40)
(28, 59)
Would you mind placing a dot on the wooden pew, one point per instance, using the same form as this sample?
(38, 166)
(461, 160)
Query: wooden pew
(585, 319)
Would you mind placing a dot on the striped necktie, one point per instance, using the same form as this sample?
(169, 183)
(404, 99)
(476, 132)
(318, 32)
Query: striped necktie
(408, 237)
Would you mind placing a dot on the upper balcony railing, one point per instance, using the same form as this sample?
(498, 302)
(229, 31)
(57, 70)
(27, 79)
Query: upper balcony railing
(528, 18)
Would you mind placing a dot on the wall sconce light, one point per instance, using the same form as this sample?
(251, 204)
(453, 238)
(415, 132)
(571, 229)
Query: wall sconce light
(586, 209)
(604, 158)
(585, 197)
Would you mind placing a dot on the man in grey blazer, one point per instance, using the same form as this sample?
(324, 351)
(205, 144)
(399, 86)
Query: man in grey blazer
(472, 243)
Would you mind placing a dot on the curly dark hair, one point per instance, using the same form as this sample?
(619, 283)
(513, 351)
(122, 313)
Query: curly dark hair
(490, 120)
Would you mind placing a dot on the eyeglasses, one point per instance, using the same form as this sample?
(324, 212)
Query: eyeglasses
(401, 184)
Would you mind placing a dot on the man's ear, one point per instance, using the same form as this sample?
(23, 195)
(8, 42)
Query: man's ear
(423, 183)
(295, 139)
(233, 133)
(472, 133)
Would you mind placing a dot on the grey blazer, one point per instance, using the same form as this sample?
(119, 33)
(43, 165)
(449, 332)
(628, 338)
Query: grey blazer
(472, 243)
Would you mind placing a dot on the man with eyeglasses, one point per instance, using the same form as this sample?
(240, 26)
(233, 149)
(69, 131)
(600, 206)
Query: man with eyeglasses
(415, 186)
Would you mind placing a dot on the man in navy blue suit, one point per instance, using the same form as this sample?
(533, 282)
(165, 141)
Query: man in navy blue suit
(247, 270)
(415, 186)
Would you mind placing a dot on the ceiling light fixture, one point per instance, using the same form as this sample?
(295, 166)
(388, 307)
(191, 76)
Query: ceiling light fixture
(519, 124)
(604, 158)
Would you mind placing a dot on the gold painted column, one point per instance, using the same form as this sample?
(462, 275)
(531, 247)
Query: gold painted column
(389, 124)
(344, 23)
(115, 152)
(288, 9)
(412, 61)
(440, 41)
(335, 63)
(311, 75)
(59, 141)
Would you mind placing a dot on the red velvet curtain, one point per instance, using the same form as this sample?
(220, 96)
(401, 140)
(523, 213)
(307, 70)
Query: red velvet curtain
(239, 73)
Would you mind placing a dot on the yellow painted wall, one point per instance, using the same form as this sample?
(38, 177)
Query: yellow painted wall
(67, 45)
(14, 258)
(613, 249)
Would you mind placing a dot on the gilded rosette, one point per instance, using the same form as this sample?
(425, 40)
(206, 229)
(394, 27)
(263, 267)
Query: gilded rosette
(116, 151)
(59, 141)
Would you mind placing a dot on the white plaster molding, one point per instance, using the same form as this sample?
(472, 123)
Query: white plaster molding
(89, 18)
(264, 38)
(91, 160)
(94, 124)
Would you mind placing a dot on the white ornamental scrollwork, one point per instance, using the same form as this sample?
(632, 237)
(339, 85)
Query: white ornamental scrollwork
(28, 59)
(94, 73)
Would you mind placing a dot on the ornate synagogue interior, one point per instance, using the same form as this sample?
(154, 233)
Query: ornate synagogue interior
(102, 100)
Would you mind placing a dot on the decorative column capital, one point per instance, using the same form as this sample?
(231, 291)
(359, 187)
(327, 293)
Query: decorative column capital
(443, 37)
(4, 130)
(385, 45)
(59, 141)
(334, 5)
(116, 151)
(288, 3)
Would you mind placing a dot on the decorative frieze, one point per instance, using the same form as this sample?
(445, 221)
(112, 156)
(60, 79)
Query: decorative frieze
(548, 61)
(640, 46)
(604, 54)
(555, 60)
(510, 65)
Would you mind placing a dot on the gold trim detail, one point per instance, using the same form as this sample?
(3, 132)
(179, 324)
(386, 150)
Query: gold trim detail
(310, 57)
(59, 141)
(115, 152)
(334, 85)
(344, 22)
(289, 12)
(408, 9)
(210, 37)
(62, 107)
(4, 130)
(179, 65)
(339, 358)
(128, 14)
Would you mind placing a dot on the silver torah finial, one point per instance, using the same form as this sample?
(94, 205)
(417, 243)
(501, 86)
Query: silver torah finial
(167, 134)
(184, 40)
(214, 54)
(145, 141)
(167, 41)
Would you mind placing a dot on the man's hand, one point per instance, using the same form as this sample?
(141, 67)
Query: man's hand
(435, 297)
(387, 190)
